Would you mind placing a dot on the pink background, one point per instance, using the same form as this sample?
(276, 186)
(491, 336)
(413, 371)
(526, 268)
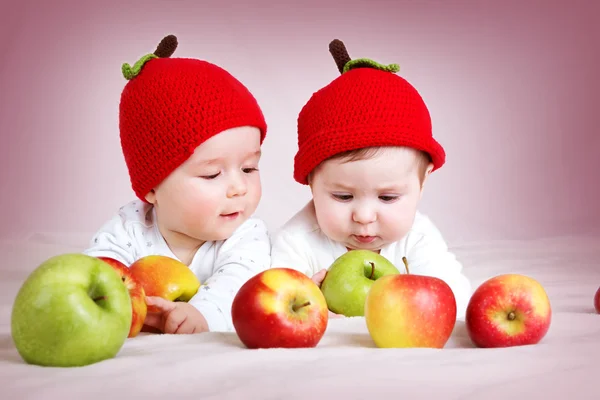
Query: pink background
(512, 87)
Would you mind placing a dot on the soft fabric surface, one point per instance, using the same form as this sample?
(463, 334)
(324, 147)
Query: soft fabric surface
(564, 365)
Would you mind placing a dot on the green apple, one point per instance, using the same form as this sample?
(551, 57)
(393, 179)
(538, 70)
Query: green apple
(72, 310)
(349, 279)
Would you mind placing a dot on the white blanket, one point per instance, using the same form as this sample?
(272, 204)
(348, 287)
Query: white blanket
(565, 365)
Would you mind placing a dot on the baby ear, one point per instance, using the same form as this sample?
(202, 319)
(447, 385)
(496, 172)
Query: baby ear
(151, 197)
(309, 180)
(428, 171)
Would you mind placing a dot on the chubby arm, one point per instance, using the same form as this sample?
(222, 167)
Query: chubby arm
(245, 254)
(113, 240)
(429, 255)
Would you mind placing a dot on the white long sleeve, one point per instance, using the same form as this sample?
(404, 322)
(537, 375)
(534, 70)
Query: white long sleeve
(289, 252)
(237, 259)
(301, 245)
(119, 238)
(427, 254)
(221, 266)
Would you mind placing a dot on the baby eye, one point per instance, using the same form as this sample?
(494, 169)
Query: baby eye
(342, 197)
(388, 199)
(249, 170)
(210, 176)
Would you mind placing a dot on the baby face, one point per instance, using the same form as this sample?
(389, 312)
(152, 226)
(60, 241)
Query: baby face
(212, 193)
(368, 203)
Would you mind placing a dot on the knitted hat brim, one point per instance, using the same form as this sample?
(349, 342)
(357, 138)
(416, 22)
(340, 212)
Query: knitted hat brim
(307, 158)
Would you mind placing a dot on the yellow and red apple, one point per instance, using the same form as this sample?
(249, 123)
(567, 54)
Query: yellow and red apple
(409, 310)
(136, 293)
(165, 277)
(508, 310)
(279, 308)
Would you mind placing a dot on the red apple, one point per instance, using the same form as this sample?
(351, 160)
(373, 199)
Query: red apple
(279, 307)
(165, 277)
(405, 310)
(136, 293)
(508, 310)
(597, 301)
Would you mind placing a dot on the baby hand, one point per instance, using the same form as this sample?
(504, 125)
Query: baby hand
(174, 317)
(318, 279)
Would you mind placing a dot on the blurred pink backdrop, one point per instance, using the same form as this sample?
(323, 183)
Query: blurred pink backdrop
(512, 87)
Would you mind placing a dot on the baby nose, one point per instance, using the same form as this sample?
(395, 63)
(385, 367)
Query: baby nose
(237, 187)
(364, 215)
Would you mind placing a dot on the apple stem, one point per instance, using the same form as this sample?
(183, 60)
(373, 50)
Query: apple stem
(511, 316)
(372, 270)
(405, 261)
(296, 307)
(100, 298)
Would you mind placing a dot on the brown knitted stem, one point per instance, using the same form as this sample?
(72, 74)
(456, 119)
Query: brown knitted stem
(339, 53)
(166, 47)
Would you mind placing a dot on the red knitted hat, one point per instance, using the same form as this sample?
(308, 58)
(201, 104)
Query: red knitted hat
(172, 105)
(368, 105)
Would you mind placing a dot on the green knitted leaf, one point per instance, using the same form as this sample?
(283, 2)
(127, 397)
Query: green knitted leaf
(368, 63)
(130, 73)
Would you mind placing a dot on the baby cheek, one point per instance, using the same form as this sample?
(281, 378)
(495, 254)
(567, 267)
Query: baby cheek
(397, 221)
(332, 218)
(200, 203)
(254, 187)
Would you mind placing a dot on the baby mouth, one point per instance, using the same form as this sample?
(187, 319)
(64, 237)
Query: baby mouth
(231, 215)
(364, 239)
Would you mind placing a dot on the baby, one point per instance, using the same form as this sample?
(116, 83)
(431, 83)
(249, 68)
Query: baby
(366, 150)
(191, 135)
